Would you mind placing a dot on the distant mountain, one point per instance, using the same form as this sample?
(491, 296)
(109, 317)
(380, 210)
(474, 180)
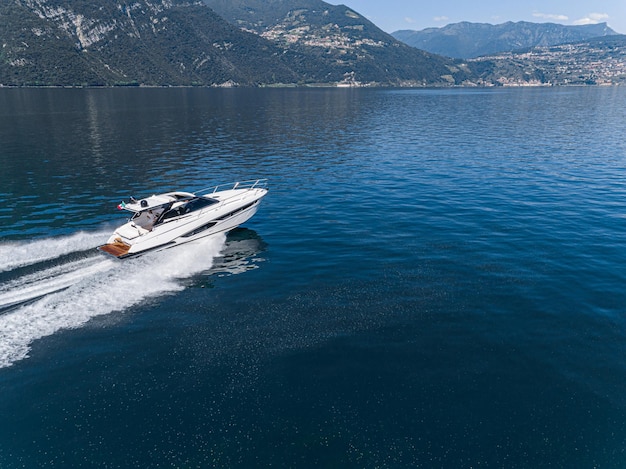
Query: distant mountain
(172, 42)
(467, 40)
(266, 42)
(597, 61)
(340, 44)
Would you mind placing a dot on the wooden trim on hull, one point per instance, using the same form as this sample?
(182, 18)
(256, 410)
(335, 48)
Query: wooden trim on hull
(117, 249)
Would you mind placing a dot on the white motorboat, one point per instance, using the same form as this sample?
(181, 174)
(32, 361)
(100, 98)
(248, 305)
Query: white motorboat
(166, 220)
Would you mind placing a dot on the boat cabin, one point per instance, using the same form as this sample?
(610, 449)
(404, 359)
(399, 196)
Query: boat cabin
(158, 209)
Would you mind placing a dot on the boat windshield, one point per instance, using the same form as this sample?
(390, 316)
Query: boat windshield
(189, 206)
(199, 203)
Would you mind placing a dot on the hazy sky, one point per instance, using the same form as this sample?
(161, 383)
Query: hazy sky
(391, 15)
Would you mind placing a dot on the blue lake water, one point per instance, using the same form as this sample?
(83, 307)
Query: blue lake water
(437, 278)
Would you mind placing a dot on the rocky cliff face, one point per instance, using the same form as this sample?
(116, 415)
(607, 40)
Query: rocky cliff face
(168, 42)
(184, 42)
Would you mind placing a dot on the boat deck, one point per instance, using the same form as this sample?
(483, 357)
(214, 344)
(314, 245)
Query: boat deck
(117, 249)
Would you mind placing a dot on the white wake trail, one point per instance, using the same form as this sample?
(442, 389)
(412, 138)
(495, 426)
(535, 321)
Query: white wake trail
(20, 254)
(46, 281)
(96, 289)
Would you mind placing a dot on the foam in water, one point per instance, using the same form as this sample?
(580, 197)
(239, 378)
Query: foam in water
(68, 295)
(17, 254)
(48, 280)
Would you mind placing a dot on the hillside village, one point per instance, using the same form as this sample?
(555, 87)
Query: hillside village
(334, 39)
(596, 62)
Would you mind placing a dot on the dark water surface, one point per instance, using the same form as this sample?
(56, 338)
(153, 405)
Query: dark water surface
(436, 279)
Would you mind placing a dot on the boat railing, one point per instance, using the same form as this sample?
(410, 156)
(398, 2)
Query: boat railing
(252, 184)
